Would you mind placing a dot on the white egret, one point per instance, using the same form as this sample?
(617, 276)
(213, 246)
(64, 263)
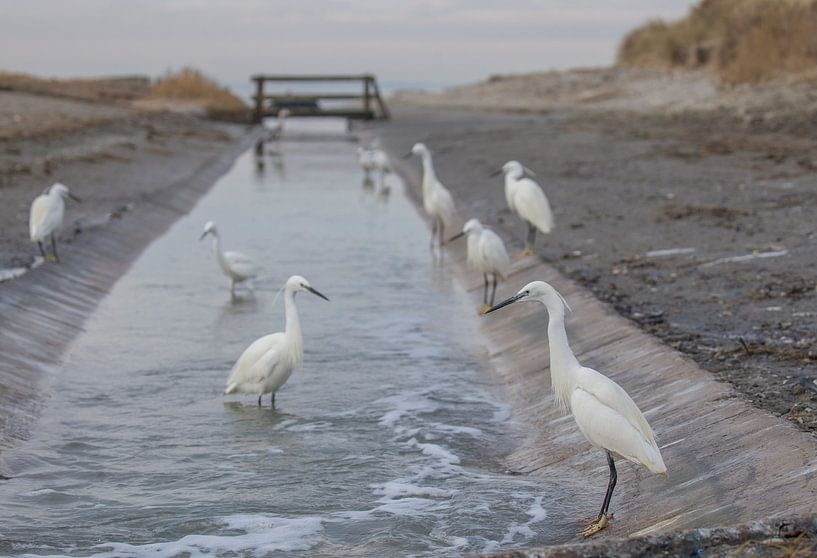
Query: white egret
(268, 362)
(486, 254)
(365, 159)
(235, 265)
(45, 218)
(526, 198)
(437, 200)
(277, 130)
(604, 412)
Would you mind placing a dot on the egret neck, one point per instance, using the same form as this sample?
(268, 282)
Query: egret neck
(292, 331)
(222, 262)
(428, 173)
(563, 363)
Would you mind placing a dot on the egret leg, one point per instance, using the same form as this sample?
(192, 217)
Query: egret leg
(259, 399)
(273, 399)
(485, 306)
(441, 238)
(433, 234)
(54, 248)
(493, 291)
(531, 240)
(42, 250)
(603, 518)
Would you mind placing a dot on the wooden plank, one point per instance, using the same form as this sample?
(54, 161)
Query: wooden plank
(336, 77)
(305, 97)
(304, 113)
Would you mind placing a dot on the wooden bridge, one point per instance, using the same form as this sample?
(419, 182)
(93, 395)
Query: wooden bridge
(370, 104)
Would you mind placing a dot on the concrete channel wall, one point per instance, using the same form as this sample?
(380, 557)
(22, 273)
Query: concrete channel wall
(728, 462)
(44, 310)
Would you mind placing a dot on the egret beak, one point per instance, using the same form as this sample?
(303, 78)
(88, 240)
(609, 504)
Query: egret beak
(407, 155)
(314, 292)
(73, 197)
(496, 172)
(527, 170)
(505, 303)
(205, 233)
(455, 237)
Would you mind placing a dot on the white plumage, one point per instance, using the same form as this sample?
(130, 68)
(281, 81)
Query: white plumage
(268, 362)
(46, 216)
(365, 159)
(276, 132)
(486, 254)
(604, 412)
(437, 200)
(526, 198)
(236, 266)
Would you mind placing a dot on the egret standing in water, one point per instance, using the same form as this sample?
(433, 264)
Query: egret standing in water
(366, 162)
(268, 362)
(604, 412)
(235, 265)
(437, 200)
(526, 198)
(276, 132)
(486, 254)
(45, 218)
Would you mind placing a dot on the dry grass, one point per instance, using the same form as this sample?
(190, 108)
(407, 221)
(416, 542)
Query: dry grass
(744, 41)
(90, 89)
(189, 85)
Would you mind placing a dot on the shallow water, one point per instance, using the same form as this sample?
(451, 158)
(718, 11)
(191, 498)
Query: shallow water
(387, 441)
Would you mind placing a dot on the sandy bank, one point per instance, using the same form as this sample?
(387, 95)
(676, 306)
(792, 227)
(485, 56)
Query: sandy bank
(783, 105)
(136, 173)
(701, 236)
(729, 462)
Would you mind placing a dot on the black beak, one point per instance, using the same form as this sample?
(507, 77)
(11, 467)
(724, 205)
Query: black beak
(496, 172)
(73, 197)
(314, 292)
(202, 236)
(455, 237)
(505, 303)
(407, 155)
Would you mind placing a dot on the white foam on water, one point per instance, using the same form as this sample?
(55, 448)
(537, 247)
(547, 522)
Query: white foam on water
(433, 450)
(452, 429)
(261, 535)
(274, 451)
(397, 489)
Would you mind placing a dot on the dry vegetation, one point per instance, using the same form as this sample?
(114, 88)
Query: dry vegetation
(189, 85)
(124, 88)
(743, 41)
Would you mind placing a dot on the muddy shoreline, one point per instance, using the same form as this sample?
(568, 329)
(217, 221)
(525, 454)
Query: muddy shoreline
(664, 219)
(136, 175)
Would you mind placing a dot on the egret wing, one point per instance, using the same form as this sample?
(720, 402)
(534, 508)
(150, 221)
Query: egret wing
(493, 252)
(45, 217)
(244, 369)
(241, 264)
(532, 205)
(609, 418)
(445, 204)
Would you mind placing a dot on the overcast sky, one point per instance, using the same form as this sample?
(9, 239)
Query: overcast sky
(434, 42)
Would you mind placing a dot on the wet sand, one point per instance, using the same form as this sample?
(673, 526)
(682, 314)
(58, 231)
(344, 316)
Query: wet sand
(697, 229)
(136, 173)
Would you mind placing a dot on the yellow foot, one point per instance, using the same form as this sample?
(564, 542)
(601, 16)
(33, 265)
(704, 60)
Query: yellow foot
(527, 252)
(595, 527)
(484, 308)
(50, 258)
